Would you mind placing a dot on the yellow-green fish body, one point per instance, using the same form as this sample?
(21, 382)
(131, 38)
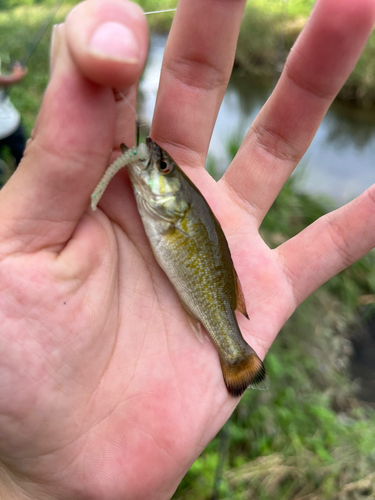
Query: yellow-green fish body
(191, 248)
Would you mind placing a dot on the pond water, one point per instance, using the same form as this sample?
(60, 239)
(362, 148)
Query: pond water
(340, 161)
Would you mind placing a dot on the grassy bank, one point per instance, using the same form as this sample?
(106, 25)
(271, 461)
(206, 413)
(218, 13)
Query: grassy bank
(20, 24)
(19, 27)
(270, 28)
(268, 31)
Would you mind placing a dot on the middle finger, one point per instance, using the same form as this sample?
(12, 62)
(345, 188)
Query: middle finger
(196, 68)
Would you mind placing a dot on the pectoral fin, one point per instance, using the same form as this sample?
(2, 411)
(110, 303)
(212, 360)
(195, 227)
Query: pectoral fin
(241, 304)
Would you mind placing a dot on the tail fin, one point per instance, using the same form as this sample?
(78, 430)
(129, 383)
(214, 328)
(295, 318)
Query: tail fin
(240, 375)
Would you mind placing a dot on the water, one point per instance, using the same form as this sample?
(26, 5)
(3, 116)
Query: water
(340, 161)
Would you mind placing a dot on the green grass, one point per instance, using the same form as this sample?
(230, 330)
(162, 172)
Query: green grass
(291, 8)
(268, 31)
(267, 34)
(19, 27)
(158, 22)
(18, 30)
(270, 28)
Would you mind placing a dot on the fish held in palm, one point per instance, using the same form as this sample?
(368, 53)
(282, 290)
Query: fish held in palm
(190, 246)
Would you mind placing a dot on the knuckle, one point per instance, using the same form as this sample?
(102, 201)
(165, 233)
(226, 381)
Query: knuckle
(342, 245)
(297, 78)
(197, 73)
(275, 144)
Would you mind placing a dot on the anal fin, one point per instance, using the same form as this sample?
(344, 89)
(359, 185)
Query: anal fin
(196, 327)
(241, 304)
(193, 322)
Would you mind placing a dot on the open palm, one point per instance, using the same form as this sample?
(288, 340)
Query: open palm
(105, 392)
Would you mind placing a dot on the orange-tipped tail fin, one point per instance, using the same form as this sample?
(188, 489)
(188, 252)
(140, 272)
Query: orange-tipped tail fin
(239, 376)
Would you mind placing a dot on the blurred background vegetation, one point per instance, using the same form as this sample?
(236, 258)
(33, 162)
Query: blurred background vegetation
(310, 436)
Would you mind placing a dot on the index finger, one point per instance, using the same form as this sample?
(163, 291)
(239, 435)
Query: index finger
(196, 68)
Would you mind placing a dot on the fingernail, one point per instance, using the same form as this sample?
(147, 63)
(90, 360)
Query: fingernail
(116, 42)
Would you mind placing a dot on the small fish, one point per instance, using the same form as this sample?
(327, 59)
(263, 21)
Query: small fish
(191, 248)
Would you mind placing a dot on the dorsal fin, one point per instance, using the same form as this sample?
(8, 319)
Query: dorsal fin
(241, 304)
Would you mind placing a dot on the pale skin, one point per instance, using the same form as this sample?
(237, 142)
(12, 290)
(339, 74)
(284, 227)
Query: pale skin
(105, 392)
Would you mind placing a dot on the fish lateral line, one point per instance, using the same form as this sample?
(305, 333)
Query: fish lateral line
(159, 11)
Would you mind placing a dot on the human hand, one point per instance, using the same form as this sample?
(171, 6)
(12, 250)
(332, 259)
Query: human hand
(18, 71)
(105, 391)
(18, 74)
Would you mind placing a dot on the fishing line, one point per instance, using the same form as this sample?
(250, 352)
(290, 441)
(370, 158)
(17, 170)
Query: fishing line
(29, 52)
(120, 96)
(159, 11)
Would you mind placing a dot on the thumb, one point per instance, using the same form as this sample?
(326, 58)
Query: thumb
(48, 194)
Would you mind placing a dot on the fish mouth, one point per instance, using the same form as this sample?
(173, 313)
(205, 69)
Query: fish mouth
(153, 148)
(150, 144)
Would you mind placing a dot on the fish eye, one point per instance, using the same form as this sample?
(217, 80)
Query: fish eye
(164, 166)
